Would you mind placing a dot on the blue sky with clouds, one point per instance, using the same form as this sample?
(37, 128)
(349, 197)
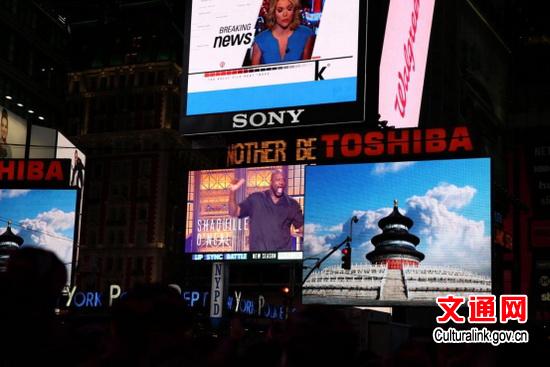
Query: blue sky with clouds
(44, 218)
(20, 204)
(449, 201)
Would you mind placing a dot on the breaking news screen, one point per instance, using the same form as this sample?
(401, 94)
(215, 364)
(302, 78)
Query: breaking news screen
(418, 229)
(272, 55)
(245, 214)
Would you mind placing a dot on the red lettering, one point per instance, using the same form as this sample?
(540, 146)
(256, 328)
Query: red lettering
(404, 80)
(450, 305)
(401, 142)
(417, 141)
(330, 139)
(412, 30)
(35, 170)
(408, 50)
(374, 143)
(55, 171)
(32, 170)
(460, 140)
(409, 56)
(435, 140)
(7, 170)
(353, 149)
(400, 100)
(21, 170)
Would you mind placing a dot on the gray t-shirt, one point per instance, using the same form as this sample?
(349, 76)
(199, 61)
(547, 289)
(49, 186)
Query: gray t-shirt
(270, 222)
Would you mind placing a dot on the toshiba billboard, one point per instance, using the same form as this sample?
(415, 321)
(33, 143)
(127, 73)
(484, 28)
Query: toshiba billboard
(403, 62)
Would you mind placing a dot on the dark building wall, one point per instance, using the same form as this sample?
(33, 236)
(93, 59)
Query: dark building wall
(528, 141)
(467, 75)
(123, 108)
(128, 207)
(124, 98)
(124, 33)
(33, 61)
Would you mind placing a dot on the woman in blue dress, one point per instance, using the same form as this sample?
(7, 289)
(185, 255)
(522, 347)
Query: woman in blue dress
(285, 39)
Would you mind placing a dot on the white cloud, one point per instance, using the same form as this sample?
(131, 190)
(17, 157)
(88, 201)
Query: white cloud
(368, 219)
(364, 230)
(9, 194)
(45, 231)
(317, 242)
(383, 168)
(451, 196)
(314, 243)
(449, 238)
(336, 228)
(311, 228)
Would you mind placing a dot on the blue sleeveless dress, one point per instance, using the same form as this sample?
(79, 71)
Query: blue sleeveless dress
(294, 50)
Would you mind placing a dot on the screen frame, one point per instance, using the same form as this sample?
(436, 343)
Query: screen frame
(71, 280)
(414, 303)
(314, 115)
(245, 256)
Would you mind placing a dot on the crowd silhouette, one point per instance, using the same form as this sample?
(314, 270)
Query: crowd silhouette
(151, 325)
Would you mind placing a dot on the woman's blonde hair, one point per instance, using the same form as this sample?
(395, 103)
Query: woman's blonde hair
(270, 17)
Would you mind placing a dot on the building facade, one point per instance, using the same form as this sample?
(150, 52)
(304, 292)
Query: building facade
(33, 62)
(123, 109)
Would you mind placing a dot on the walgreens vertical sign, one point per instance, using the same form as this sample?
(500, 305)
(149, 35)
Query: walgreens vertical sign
(403, 62)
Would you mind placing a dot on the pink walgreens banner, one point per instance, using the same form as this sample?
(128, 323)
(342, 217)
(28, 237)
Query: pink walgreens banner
(403, 62)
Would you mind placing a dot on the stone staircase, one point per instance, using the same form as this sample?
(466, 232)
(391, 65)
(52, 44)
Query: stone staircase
(394, 287)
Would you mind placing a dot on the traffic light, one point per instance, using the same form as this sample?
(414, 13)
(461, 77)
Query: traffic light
(346, 257)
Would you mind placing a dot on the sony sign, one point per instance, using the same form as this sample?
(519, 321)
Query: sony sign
(403, 62)
(266, 119)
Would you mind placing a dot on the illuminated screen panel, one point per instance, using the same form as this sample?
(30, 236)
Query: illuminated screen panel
(269, 221)
(43, 218)
(13, 134)
(236, 64)
(403, 61)
(436, 236)
(66, 149)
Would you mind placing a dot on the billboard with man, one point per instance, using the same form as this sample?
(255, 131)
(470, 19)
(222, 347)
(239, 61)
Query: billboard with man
(256, 212)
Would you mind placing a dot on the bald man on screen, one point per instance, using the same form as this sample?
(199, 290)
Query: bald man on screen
(271, 212)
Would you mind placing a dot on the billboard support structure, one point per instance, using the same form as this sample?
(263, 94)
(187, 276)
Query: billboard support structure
(28, 139)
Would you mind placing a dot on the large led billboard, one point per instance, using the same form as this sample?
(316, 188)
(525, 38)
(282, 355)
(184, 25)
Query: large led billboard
(245, 213)
(419, 230)
(273, 63)
(44, 218)
(403, 61)
(13, 134)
